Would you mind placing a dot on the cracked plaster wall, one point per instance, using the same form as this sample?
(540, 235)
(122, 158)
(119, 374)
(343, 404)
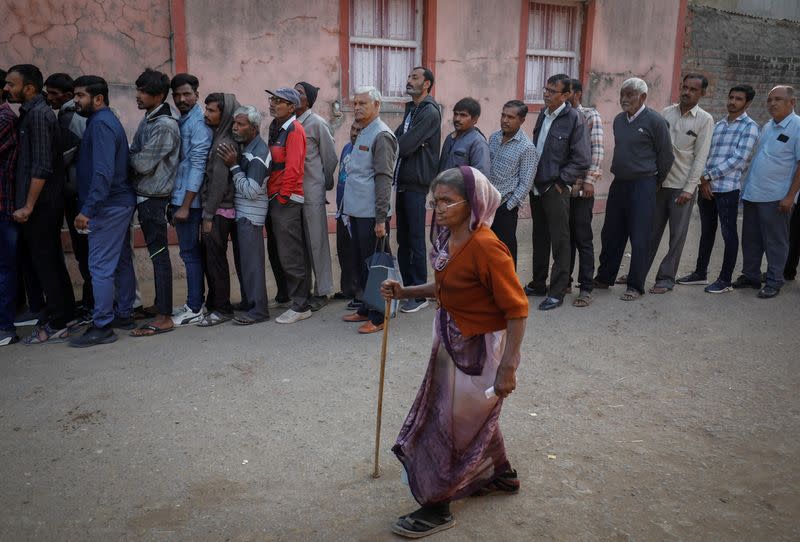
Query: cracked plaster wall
(114, 39)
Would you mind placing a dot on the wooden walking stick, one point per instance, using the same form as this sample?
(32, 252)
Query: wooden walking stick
(387, 317)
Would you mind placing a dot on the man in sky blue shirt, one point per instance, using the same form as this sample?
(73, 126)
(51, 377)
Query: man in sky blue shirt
(107, 200)
(185, 204)
(770, 191)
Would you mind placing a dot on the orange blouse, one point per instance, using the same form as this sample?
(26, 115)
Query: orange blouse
(479, 287)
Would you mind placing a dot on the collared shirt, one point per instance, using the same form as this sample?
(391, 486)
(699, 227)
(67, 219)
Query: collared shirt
(196, 138)
(513, 166)
(595, 124)
(633, 118)
(38, 156)
(8, 160)
(731, 151)
(775, 162)
(691, 139)
(250, 181)
(548, 121)
(468, 149)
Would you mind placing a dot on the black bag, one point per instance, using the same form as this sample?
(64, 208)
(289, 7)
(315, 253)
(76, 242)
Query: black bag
(382, 266)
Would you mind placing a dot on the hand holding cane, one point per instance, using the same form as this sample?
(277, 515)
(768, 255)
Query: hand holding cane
(386, 319)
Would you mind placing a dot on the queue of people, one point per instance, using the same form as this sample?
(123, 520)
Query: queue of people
(209, 173)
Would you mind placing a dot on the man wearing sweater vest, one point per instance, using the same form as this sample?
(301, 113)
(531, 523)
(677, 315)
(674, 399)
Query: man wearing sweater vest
(690, 129)
(642, 158)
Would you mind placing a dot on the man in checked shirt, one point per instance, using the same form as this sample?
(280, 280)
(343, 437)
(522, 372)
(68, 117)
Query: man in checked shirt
(582, 202)
(513, 161)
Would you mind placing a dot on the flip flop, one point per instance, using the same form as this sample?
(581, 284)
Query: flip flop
(140, 332)
(411, 527)
(659, 290)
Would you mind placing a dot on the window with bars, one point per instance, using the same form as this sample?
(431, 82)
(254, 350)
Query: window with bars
(554, 40)
(385, 44)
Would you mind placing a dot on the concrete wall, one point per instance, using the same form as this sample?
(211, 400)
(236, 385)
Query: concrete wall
(631, 39)
(115, 40)
(732, 49)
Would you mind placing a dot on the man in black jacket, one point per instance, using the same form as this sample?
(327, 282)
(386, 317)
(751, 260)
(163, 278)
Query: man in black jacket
(562, 141)
(419, 138)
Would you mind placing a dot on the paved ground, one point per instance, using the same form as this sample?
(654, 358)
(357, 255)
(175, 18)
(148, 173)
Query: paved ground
(673, 418)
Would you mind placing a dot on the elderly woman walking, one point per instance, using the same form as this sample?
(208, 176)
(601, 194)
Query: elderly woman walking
(450, 444)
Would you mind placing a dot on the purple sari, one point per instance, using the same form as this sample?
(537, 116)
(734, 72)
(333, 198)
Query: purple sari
(450, 444)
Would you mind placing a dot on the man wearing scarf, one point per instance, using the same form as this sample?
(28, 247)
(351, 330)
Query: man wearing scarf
(320, 165)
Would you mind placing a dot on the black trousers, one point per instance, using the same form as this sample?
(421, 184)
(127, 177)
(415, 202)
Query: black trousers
(349, 279)
(153, 220)
(790, 271)
(215, 257)
(42, 237)
(275, 263)
(551, 231)
(80, 248)
(364, 244)
(504, 227)
(581, 241)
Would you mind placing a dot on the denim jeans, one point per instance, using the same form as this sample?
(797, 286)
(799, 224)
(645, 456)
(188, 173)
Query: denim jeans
(189, 242)
(111, 264)
(8, 273)
(153, 221)
(725, 207)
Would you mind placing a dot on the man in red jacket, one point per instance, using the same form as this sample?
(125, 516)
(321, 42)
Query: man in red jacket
(287, 147)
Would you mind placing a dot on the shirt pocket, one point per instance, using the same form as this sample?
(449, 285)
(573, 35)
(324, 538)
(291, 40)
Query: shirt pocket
(460, 158)
(682, 140)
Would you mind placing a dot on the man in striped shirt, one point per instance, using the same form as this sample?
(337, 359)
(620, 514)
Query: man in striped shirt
(732, 147)
(250, 201)
(582, 202)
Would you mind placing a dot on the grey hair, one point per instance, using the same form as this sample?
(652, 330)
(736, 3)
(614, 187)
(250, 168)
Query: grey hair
(789, 90)
(636, 84)
(253, 115)
(453, 178)
(373, 92)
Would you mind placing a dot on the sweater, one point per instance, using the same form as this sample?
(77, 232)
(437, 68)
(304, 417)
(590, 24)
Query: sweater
(642, 148)
(287, 147)
(250, 181)
(418, 146)
(479, 287)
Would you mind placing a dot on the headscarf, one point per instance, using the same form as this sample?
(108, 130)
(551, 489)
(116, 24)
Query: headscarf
(311, 92)
(483, 198)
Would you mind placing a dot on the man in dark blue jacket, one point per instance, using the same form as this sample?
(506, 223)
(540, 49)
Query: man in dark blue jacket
(107, 201)
(419, 138)
(562, 141)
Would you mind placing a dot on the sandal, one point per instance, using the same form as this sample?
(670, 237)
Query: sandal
(623, 279)
(507, 483)
(212, 319)
(143, 313)
(46, 334)
(584, 299)
(148, 330)
(247, 320)
(630, 295)
(414, 526)
(659, 290)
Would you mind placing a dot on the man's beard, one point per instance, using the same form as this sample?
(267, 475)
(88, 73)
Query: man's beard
(85, 111)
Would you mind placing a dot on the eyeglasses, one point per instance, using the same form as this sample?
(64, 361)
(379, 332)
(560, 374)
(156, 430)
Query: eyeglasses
(548, 90)
(442, 206)
(276, 100)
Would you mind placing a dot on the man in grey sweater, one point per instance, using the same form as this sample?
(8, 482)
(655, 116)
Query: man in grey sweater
(153, 161)
(642, 159)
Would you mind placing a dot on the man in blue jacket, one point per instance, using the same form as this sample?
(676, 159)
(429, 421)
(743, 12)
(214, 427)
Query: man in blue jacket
(419, 138)
(562, 141)
(107, 201)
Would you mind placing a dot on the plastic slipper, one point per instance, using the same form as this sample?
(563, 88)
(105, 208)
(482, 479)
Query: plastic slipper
(410, 527)
(140, 332)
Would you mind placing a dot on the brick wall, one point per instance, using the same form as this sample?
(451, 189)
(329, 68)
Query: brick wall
(732, 49)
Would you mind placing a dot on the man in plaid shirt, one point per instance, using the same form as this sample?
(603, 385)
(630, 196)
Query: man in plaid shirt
(582, 202)
(8, 229)
(732, 147)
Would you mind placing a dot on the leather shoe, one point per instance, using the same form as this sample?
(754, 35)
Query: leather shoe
(550, 303)
(355, 317)
(767, 292)
(369, 327)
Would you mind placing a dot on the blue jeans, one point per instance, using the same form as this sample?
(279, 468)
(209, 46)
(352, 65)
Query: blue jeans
(8, 273)
(411, 249)
(192, 256)
(111, 264)
(725, 207)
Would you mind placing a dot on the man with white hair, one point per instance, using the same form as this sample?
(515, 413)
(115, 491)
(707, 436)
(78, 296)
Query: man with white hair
(642, 158)
(250, 201)
(367, 194)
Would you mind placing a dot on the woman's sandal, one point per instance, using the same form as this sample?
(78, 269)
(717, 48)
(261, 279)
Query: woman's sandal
(507, 483)
(415, 526)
